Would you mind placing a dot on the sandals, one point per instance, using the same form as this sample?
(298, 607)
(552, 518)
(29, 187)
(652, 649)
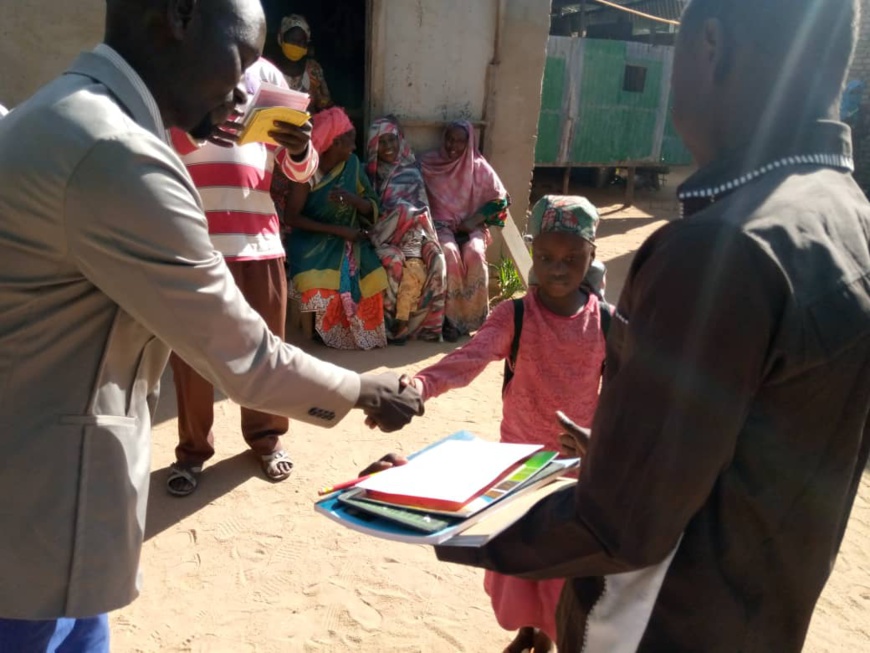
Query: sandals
(183, 479)
(277, 466)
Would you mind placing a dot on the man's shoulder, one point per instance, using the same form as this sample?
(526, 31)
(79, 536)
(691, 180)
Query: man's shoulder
(69, 115)
(791, 201)
(810, 225)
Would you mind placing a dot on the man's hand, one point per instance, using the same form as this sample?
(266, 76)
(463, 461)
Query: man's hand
(291, 137)
(390, 460)
(226, 134)
(388, 402)
(575, 439)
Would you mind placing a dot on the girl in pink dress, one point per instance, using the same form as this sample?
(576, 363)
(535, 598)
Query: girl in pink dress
(558, 367)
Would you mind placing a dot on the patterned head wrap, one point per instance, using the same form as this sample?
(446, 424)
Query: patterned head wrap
(564, 214)
(380, 127)
(327, 126)
(291, 21)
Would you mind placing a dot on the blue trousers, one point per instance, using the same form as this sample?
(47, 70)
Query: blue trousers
(55, 635)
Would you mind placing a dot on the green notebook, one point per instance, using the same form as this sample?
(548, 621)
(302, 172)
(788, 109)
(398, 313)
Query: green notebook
(424, 522)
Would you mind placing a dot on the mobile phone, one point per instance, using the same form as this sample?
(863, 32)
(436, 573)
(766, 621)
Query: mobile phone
(570, 425)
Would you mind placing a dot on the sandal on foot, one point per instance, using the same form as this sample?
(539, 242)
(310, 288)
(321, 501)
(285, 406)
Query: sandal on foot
(182, 479)
(277, 466)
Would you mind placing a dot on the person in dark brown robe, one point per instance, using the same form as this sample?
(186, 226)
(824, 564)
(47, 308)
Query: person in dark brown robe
(732, 431)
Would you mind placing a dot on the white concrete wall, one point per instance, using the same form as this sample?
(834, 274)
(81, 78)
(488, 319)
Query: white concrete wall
(438, 60)
(430, 60)
(40, 38)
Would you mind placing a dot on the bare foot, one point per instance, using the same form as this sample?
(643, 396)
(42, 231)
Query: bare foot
(524, 641)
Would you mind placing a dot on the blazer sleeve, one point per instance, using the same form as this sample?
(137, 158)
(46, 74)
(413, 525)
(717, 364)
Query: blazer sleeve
(143, 240)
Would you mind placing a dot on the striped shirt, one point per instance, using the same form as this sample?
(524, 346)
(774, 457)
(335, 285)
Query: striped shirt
(234, 184)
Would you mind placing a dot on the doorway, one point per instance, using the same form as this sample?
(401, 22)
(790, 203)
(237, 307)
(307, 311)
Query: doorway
(339, 42)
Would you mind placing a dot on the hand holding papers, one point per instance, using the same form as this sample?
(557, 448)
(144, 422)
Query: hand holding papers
(273, 104)
(448, 488)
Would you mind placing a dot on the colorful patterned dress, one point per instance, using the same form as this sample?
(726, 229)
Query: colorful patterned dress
(341, 282)
(405, 207)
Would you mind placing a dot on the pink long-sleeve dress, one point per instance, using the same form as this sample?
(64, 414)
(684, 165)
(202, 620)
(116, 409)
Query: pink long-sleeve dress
(558, 368)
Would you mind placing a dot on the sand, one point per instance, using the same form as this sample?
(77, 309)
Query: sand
(246, 566)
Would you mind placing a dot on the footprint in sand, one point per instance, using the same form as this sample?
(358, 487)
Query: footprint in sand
(228, 530)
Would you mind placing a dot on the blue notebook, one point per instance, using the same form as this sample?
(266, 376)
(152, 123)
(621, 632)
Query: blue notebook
(421, 532)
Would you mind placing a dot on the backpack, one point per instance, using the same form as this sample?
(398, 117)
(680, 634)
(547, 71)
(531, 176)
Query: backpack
(605, 310)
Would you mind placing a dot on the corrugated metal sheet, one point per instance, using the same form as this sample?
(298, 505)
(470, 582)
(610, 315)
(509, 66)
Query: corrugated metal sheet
(591, 115)
(596, 13)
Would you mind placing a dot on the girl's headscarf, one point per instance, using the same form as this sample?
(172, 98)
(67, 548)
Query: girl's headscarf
(327, 126)
(291, 21)
(459, 188)
(378, 171)
(564, 214)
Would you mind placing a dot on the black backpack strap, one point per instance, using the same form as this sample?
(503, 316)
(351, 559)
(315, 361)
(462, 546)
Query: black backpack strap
(511, 362)
(606, 316)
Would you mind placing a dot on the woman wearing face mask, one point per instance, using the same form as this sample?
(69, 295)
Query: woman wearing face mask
(300, 70)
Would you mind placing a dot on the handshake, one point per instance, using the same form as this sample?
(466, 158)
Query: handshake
(389, 401)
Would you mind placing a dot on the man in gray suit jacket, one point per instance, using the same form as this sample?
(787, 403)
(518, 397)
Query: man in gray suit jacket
(106, 265)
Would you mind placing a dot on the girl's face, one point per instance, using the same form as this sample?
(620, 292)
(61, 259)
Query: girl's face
(388, 148)
(561, 261)
(455, 142)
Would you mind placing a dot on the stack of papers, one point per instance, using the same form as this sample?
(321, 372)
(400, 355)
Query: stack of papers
(448, 476)
(272, 103)
(446, 489)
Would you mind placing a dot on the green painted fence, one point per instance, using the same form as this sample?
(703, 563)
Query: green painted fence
(607, 103)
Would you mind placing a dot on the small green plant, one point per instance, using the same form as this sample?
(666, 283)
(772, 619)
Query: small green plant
(509, 281)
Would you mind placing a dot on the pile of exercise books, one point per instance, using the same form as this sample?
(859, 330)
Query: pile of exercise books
(460, 491)
(272, 103)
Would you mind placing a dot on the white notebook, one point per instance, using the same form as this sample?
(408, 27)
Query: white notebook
(455, 471)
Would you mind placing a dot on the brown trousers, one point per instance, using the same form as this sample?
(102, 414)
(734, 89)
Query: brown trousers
(264, 285)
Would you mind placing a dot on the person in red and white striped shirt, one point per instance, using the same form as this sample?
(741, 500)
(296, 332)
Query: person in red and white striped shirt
(234, 183)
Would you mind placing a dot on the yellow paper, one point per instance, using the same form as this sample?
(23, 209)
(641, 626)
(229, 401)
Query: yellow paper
(262, 121)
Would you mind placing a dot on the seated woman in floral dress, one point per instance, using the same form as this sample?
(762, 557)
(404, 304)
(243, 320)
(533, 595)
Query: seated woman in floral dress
(333, 268)
(405, 238)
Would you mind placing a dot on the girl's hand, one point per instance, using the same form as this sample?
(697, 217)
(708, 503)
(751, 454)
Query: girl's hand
(412, 382)
(575, 440)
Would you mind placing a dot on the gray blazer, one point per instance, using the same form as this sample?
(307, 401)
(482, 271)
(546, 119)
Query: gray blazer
(106, 265)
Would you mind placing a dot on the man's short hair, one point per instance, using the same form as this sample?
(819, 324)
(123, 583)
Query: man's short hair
(811, 40)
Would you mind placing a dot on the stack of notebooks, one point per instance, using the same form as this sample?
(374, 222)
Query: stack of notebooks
(272, 103)
(460, 491)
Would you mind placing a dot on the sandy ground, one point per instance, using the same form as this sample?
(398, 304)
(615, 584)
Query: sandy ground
(244, 565)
